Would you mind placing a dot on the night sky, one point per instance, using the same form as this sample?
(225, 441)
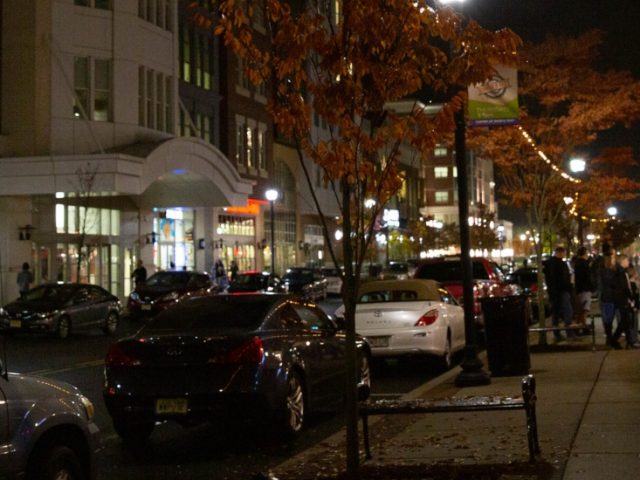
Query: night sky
(533, 20)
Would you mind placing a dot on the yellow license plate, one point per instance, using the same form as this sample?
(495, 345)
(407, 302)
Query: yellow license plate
(171, 406)
(145, 307)
(15, 323)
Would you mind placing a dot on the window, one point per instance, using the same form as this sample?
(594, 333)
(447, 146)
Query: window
(440, 151)
(249, 146)
(155, 97)
(242, 80)
(442, 196)
(262, 150)
(185, 47)
(239, 144)
(157, 12)
(441, 172)
(455, 172)
(102, 4)
(92, 86)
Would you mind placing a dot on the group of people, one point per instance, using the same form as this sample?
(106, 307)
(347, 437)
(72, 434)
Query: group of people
(611, 276)
(219, 273)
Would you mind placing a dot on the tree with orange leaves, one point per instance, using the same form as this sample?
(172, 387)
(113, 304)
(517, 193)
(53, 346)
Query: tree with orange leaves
(566, 102)
(348, 62)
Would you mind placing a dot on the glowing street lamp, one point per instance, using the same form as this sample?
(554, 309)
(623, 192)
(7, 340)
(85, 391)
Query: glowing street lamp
(577, 165)
(272, 195)
(612, 211)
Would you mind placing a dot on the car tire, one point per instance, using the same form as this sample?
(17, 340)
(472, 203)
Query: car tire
(63, 328)
(292, 417)
(53, 462)
(110, 324)
(445, 361)
(133, 431)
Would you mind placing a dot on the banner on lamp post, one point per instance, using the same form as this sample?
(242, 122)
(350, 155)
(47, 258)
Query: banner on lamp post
(495, 101)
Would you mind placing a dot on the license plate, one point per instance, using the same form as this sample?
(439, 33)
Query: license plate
(169, 406)
(378, 342)
(15, 323)
(145, 307)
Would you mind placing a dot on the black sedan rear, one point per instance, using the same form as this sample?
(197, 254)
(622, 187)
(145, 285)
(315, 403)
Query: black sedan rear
(263, 357)
(60, 308)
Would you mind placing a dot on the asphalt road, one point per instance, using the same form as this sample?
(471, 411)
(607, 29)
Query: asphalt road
(206, 451)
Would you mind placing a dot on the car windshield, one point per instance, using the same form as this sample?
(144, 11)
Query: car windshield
(450, 271)
(220, 314)
(168, 279)
(299, 276)
(50, 292)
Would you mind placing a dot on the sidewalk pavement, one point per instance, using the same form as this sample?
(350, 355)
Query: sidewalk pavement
(588, 424)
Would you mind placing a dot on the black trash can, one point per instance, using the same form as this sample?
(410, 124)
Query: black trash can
(506, 325)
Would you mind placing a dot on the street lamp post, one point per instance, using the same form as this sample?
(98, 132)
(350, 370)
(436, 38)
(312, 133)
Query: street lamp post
(473, 372)
(272, 195)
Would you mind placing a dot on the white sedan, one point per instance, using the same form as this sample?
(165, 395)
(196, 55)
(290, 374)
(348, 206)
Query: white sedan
(409, 317)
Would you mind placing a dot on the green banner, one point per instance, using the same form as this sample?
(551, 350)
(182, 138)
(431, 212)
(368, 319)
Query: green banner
(495, 101)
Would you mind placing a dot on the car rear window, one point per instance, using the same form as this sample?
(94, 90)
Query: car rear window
(168, 279)
(388, 296)
(223, 313)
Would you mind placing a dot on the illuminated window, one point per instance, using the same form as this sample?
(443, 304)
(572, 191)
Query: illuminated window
(441, 172)
(442, 196)
(440, 151)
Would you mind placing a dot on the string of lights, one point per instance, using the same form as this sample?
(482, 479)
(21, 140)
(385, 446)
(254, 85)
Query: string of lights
(574, 205)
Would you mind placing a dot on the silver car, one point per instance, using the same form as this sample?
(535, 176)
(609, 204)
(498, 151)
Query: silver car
(46, 429)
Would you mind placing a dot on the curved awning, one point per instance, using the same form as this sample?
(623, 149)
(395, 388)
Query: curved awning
(177, 172)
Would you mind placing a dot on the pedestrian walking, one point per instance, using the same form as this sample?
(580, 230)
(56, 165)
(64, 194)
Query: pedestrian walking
(606, 272)
(583, 286)
(558, 280)
(25, 279)
(220, 274)
(139, 275)
(623, 299)
(233, 268)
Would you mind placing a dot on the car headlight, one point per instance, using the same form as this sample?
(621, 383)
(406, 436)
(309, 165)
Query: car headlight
(89, 409)
(45, 315)
(169, 297)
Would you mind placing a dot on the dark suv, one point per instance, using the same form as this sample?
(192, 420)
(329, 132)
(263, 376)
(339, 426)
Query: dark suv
(488, 279)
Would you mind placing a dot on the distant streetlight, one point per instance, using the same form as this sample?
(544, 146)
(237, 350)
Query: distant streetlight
(272, 195)
(612, 211)
(568, 200)
(577, 165)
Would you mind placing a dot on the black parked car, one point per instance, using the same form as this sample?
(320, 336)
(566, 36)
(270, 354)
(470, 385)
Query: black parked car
(260, 357)
(256, 282)
(164, 289)
(61, 308)
(309, 283)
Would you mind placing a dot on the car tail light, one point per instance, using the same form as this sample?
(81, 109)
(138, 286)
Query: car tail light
(117, 357)
(427, 319)
(250, 351)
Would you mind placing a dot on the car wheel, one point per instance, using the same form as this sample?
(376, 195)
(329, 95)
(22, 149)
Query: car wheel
(55, 462)
(64, 327)
(364, 370)
(131, 430)
(364, 377)
(294, 407)
(445, 361)
(110, 324)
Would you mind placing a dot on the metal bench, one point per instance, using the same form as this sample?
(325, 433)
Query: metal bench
(526, 402)
(575, 328)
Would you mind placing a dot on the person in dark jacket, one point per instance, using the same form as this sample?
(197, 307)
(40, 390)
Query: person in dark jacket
(606, 286)
(623, 299)
(558, 280)
(584, 288)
